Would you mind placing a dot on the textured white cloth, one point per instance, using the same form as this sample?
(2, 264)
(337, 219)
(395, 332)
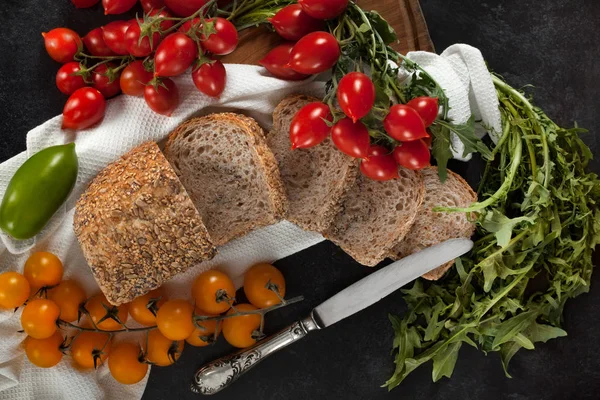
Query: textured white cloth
(462, 73)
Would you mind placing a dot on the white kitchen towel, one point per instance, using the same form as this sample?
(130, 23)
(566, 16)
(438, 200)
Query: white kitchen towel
(463, 74)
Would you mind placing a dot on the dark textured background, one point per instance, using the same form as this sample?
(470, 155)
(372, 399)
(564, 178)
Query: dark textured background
(552, 44)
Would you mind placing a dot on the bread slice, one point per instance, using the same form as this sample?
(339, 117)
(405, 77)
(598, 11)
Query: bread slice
(376, 215)
(137, 225)
(230, 173)
(315, 179)
(435, 227)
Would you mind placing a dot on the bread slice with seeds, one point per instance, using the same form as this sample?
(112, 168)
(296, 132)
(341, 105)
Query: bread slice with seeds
(315, 179)
(435, 227)
(137, 225)
(376, 215)
(230, 173)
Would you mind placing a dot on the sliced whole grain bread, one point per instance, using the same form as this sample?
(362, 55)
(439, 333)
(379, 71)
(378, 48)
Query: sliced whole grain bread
(230, 173)
(435, 227)
(315, 179)
(376, 215)
(137, 225)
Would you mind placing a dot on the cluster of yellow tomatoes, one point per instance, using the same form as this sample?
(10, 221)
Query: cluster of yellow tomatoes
(53, 304)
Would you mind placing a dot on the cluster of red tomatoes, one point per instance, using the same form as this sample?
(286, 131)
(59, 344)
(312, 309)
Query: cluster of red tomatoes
(310, 49)
(164, 45)
(405, 124)
(52, 304)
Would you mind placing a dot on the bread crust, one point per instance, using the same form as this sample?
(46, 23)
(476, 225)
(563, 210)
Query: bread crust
(137, 226)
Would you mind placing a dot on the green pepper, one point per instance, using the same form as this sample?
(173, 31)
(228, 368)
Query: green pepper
(38, 188)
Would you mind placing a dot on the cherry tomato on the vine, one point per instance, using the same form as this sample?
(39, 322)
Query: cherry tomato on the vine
(106, 80)
(67, 80)
(44, 353)
(174, 55)
(195, 25)
(256, 280)
(114, 36)
(210, 78)
(62, 44)
(134, 79)
(39, 318)
(276, 62)
(324, 9)
(124, 364)
(412, 155)
(238, 331)
(174, 319)
(206, 287)
(149, 5)
(184, 8)
(96, 307)
(68, 296)
(356, 95)
(309, 126)
(162, 13)
(380, 164)
(140, 307)
(162, 351)
(293, 23)
(14, 290)
(403, 123)
(426, 107)
(88, 346)
(162, 99)
(204, 333)
(315, 53)
(137, 47)
(224, 40)
(83, 109)
(94, 43)
(117, 6)
(351, 138)
(84, 3)
(43, 269)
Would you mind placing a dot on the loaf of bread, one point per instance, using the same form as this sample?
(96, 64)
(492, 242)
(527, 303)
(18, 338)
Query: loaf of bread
(315, 179)
(435, 227)
(230, 173)
(138, 227)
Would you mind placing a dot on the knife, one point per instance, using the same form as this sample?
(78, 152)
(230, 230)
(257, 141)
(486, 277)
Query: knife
(220, 373)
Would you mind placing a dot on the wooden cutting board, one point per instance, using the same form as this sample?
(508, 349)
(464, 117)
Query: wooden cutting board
(405, 16)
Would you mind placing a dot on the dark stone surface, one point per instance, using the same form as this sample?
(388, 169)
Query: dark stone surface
(552, 44)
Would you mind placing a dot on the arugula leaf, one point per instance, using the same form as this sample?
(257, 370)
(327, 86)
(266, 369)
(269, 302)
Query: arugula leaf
(383, 28)
(441, 149)
(466, 134)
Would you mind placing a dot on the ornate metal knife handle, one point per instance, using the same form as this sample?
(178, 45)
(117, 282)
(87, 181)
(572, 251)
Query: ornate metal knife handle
(220, 373)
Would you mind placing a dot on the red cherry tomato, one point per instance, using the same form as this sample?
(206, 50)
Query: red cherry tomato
(84, 3)
(356, 95)
(351, 138)
(403, 123)
(114, 36)
(428, 140)
(174, 55)
(292, 23)
(117, 6)
(315, 53)
(308, 126)
(184, 8)
(62, 44)
(224, 41)
(94, 43)
(324, 9)
(412, 155)
(380, 164)
(134, 79)
(66, 79)
(106, 80)
(276, 60)
(195, 25)
(83, 109)
(166, 24)
(139, 48)
(210, 78)
(164, 99)
(149, 5)
(427, 107)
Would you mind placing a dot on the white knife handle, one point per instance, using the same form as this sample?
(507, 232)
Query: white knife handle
(222, 372)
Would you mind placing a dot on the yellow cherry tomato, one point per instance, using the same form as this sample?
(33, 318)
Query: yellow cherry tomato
(68, 296)
(14, 289)
(162, 351)
(44, 353)
(257, 281)
(124, 364)
(174, 319)
(238, 331)
(43, 269)
(139, 311)
(39, 318)
(89, 346)
(205, 289)
(96, 308)
(204, 331)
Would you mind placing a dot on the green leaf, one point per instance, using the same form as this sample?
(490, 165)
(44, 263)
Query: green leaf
(383, 28)
(507, 352)
(441, 149)
(511, 327)
(502, 226)
(542, 333)
(444, 361)
(466, 134)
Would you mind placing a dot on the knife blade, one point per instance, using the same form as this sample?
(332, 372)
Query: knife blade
(220, 373)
